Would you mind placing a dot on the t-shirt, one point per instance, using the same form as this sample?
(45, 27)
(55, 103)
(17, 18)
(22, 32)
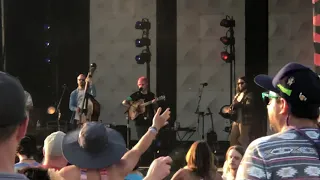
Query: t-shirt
(6, 176)
(286, 155)
(133, 176)
(144, 119)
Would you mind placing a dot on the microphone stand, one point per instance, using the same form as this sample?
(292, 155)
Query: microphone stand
(58, 106)
(200, 113)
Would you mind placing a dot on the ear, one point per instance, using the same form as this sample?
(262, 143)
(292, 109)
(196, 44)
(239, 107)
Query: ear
(284, 107)
(22, 129)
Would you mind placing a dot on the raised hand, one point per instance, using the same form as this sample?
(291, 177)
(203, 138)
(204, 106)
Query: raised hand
(161, 120)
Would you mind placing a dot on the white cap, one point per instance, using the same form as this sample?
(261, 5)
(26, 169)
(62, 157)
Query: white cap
(53, 144)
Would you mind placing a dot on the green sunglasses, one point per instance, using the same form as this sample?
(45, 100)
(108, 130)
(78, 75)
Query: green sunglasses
(266, 96)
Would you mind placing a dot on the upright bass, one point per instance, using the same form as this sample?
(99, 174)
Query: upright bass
(90, 109)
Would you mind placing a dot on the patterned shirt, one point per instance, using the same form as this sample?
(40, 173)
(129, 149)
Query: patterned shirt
(286, 155)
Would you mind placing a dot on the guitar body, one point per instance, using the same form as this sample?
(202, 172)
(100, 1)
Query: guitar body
(135, 109)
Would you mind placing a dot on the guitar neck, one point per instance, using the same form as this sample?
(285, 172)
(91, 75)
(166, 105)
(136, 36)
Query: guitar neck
(146, 103)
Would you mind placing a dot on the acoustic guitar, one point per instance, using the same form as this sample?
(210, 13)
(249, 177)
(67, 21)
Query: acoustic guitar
(139, 107)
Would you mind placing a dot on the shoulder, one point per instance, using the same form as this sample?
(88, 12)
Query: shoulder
(74, 91)
(69, 172)
(181, 174)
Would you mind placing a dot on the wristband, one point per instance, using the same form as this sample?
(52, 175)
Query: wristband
(153, 129)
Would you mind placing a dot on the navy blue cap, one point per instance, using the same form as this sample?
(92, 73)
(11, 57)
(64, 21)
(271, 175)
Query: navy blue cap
(12, 106)
(296, 83)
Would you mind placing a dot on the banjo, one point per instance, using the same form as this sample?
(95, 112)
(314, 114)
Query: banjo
(139, 107)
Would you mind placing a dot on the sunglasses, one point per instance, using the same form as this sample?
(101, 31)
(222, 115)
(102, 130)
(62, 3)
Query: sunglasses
(81, 79)
(267, 96)
(240, 83)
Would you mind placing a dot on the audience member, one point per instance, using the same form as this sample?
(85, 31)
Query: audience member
(200, 164)
(98, 151)
(52, 151)
(233, 158)
(13, 124)
(26, 151)
(293, 107)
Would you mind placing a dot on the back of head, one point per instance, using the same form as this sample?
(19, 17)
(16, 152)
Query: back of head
(200, 159)
(27, 147)
(12, 106)
(34, 173)
(53, 144)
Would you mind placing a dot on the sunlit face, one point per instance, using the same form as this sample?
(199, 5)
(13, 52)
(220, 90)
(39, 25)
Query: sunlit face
(142, 84)
(234, 159)
(81, 80)
(241, 85)
(274, 106)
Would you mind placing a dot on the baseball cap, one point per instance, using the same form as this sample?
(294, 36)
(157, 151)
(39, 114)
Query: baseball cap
(298, 85)
(53, 144)
(12, 106)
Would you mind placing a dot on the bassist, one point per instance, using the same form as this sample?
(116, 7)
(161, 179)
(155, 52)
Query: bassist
(144, 120)
(76, 99)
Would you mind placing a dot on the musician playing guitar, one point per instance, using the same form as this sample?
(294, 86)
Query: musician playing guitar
(76, 99)
(142, 121)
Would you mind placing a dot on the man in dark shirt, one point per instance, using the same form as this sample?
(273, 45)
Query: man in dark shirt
(144, 120)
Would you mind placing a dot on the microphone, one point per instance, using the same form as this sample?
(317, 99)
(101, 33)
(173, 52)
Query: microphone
(140, 89)
(64, 86)
(204, 84)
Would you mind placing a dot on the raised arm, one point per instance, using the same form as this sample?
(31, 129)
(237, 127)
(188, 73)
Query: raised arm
(131, 158)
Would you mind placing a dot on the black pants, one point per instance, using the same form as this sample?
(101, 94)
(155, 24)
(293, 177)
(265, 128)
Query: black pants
(141, 130)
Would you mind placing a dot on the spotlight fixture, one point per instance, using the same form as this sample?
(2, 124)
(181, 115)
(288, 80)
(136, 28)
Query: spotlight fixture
(143, 57)
(227, 57)
(228, 23)
(143, 42)
(227, 40)
(143, 25)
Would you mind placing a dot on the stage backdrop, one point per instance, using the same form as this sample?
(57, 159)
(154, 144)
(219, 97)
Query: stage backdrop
(112, 47)
(199, 59)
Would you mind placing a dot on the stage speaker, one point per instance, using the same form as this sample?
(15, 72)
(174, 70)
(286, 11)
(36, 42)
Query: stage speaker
(122, 129)
(165, 141)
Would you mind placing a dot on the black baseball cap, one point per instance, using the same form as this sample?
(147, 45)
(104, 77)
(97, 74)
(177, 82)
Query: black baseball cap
(12, 105)
(298, 85)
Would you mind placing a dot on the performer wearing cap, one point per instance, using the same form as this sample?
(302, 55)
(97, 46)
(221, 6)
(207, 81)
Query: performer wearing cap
(293, 103)
(144, 120)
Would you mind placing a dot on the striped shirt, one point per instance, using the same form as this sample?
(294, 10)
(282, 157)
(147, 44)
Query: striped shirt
(286, 155)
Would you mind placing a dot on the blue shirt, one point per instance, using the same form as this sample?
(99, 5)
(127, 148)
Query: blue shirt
(133, 177)
(19, 166)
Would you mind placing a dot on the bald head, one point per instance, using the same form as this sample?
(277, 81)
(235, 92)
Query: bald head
(81, 80)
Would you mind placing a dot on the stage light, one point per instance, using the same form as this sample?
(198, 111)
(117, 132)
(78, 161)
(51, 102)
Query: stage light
(47, 43)
(143, 42)
(227, 57)
(46, 26)
(143, 57)
(51, 110)
(227, 40)
(228, 23)
(48, 60)
(144, 24)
